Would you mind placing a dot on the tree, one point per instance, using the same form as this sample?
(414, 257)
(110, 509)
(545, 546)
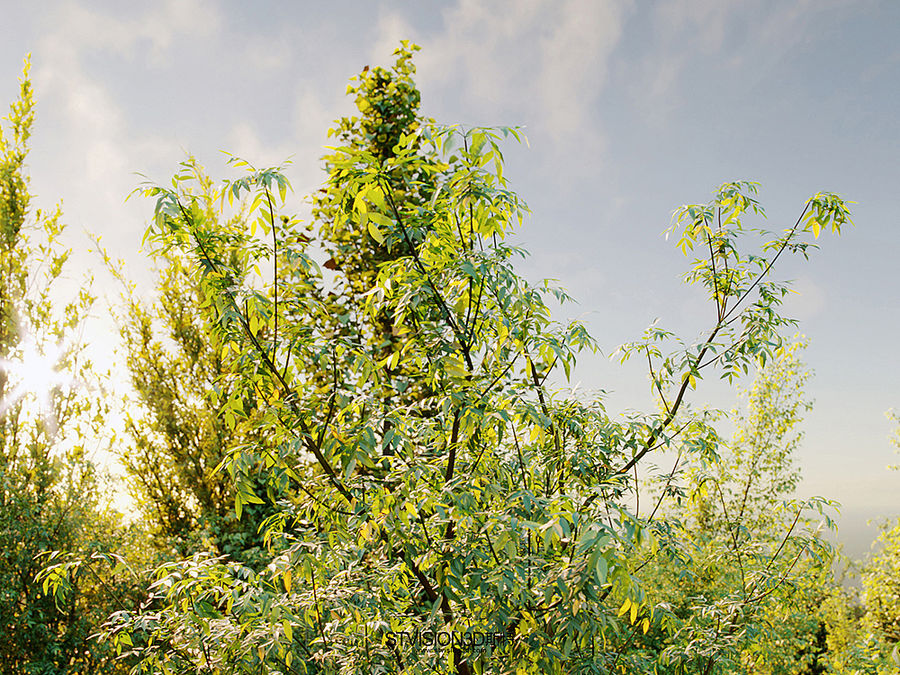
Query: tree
(491, 532)
(388, 103)
(877, 639)
(50, 491)
(861, 626)
(881, 586)
(881, 578)
(177, 435)
(861, 636)
(751, 567)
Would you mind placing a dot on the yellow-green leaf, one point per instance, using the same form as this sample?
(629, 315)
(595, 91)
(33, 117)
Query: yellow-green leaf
(816, 227)
(455, 367)
(375, 233)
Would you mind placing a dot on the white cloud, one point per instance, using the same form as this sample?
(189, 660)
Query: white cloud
(245, 142)
(680, 30)
(267, 54)
(93, 152)
(391, 29)
(575, 62)
(506, 59)
(80, 29)
(84, 150)
(704, 21)
(489, 47)
(751, 37)
(313, 116)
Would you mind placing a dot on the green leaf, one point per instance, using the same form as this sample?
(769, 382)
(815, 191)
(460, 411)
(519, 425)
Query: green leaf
(601, 569)
(374, 232)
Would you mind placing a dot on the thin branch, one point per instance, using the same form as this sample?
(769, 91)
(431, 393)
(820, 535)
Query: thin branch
(471, 328)
(655, 381)
(784, 243)
(318, 612)
(780, 547)
(624, 646)
(734, 541)
(418, 263)
(727, 271)
(546, 410)
(331, 401)
(521, 459)
(712, 260)
(499, 377)
(275, 273)
(270, 365)
(637, 494)
(734, 345)
(668, 483)
(780, 581)
(655, 433)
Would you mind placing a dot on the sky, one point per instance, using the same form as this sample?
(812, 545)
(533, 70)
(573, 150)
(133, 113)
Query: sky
(630, 108)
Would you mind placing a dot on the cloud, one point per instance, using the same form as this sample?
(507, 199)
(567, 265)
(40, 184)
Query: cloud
(83, 138)
(244, 141)
(575, 59)
(79, 28)
(679, 31)
(390, 30)
(546, 62)
(694, 38)
(267, 53)
(704, 21)
(313, 116)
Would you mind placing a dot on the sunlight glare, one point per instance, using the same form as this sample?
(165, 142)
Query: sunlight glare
(34, 373)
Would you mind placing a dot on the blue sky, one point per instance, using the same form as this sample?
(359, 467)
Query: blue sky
(630, 108)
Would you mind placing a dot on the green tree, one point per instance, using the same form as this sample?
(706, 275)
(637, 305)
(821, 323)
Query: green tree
(881, 587)
(50, 492)
(874, 644)
(499, 520)
(176, 435)
(388, 104)
(745, 571)
(861, 624)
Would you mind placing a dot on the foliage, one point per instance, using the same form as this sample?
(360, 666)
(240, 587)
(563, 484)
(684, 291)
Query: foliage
(874, 644)
(861, 624)
(50, 491)
(485, 513)
(881, 585)
(177, 435)
(388, 103)
(864, 633)
(747, 571)
(853, 647)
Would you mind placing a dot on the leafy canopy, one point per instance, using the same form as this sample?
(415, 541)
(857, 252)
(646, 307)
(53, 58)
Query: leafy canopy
(432, 483)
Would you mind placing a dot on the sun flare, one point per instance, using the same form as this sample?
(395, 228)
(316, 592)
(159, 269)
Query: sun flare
(34, 373)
